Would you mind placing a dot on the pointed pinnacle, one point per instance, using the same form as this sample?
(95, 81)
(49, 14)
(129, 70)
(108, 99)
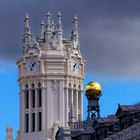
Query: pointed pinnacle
(42, 23)
(59, 14)
(53, 22)
(75, 17)
(26, 17)
(48, 14)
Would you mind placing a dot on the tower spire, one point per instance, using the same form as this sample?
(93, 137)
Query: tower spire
(42, 30)
(48, 26)
(53, 26)
(59, 27)
(26, 25)
(27, 34)
(75, 34)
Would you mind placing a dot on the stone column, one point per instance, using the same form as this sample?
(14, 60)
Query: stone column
(81, 95)
(71, 96)
(80, 105)
(43, 106)
(61, 103)
(67, 105)
(77, 110)
(22, 111)
(47, 108)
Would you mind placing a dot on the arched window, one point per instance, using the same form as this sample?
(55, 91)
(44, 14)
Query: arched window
(39, 85)
(74, 86)
(79, 87)
(26, 86)
(69, 85)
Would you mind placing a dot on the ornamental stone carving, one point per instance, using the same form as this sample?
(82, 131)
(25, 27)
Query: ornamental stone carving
(55, 86)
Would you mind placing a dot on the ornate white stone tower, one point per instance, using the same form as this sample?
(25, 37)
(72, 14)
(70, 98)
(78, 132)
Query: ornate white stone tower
(51, 72)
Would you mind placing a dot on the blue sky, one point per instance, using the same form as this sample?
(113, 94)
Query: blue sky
(9, 110)
(109, 33)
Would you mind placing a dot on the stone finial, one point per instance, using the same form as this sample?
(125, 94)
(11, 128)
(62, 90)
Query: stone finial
(59, 28)
(26, 17)
(48, 21)
(27, 34)
(48, 28)
(75, 18)
(26, 25)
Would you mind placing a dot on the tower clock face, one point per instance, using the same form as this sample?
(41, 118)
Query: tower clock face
(74, 66)
(33, 65)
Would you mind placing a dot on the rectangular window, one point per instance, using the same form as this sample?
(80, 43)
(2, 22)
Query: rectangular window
(26, 99)
(39, 98)
(33, 98)
(33, 122)
(27, 123)
(39, 121)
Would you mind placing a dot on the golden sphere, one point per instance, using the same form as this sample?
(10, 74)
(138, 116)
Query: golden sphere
(93, 90)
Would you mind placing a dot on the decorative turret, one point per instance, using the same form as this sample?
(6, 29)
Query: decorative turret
(51, 35)
(27, 35)
(75, 34)
(42, 35)
(48, 28)
(59, 28)
(53, 26)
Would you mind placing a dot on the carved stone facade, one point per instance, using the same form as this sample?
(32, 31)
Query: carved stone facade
(50, 80)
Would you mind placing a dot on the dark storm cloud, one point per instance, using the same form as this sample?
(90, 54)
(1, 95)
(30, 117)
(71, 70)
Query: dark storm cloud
(109, 31)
